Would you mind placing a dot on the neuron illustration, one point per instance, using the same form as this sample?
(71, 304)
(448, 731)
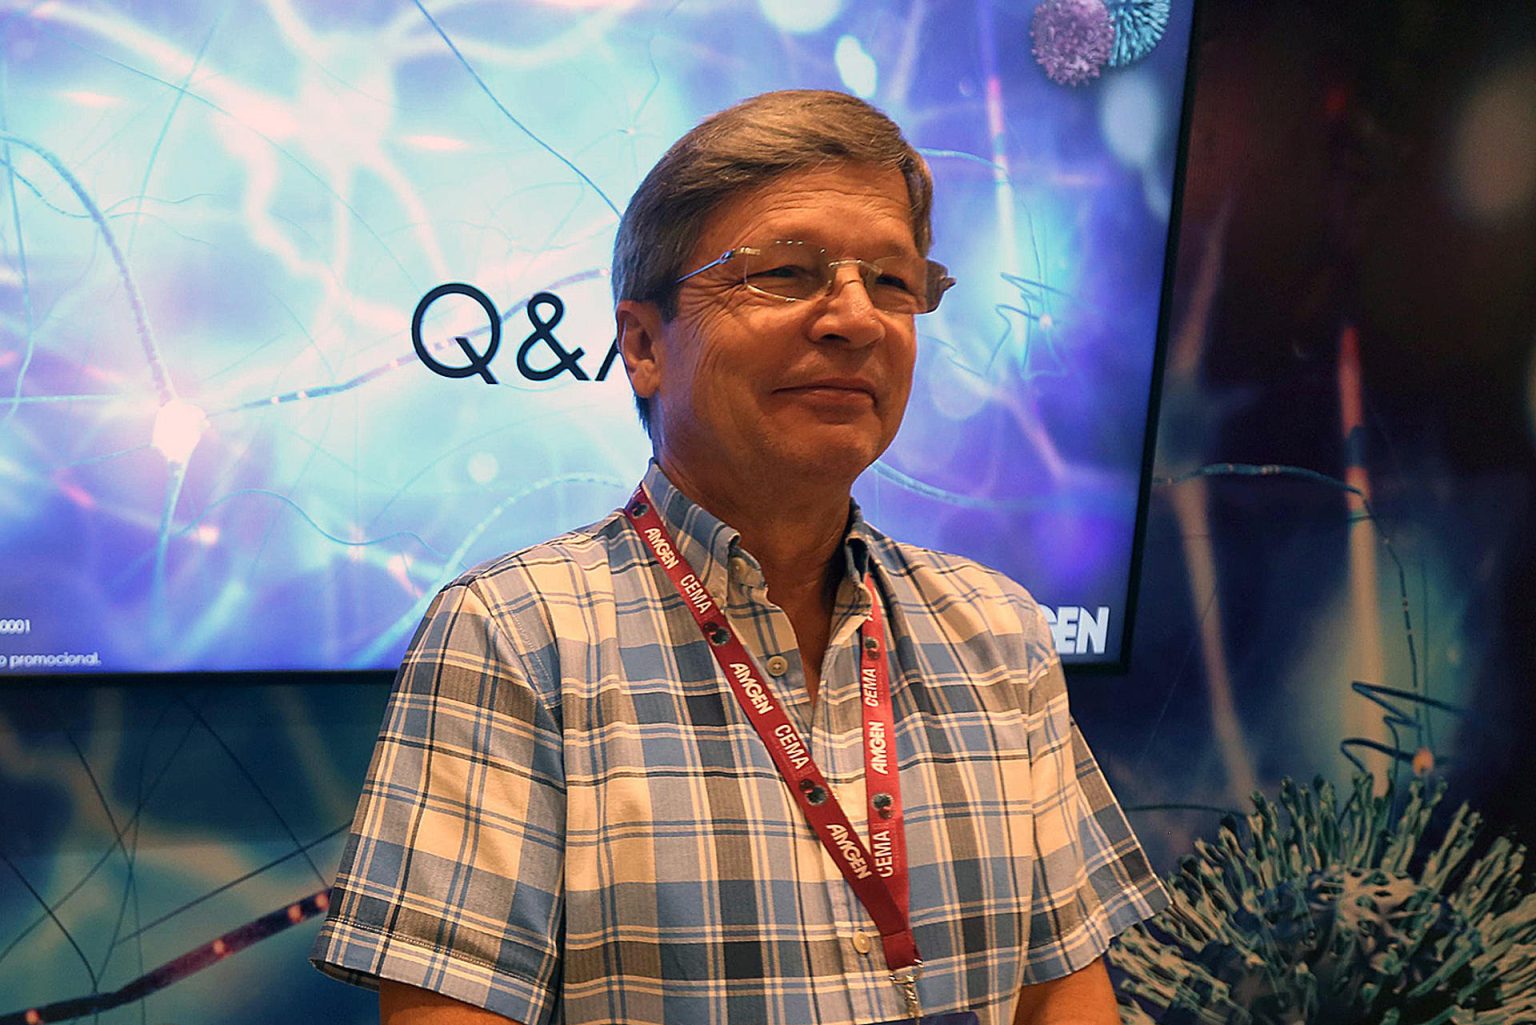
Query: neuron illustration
(1311, 911)
(217, 218)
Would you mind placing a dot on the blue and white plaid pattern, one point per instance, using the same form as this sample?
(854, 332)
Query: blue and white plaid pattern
(568, 818)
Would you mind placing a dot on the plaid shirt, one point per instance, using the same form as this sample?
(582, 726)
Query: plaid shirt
(568, 818)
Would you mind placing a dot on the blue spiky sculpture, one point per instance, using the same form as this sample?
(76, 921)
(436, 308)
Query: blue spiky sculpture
(1335, 917)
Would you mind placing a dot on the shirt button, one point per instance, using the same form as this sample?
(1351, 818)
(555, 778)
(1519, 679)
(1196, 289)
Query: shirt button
(778, 665)
(861, 942)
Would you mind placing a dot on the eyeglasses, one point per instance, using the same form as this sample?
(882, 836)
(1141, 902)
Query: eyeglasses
(794, 271)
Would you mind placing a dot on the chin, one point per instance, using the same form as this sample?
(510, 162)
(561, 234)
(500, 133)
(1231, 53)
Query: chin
(826, 460)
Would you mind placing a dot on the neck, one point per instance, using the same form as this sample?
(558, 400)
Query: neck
(794, 529)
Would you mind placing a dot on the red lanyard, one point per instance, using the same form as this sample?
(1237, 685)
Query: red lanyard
(878, 872)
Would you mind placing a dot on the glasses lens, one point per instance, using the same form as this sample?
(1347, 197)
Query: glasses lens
(897, 284)
(938, 282)
(799, 270)
(790, 270)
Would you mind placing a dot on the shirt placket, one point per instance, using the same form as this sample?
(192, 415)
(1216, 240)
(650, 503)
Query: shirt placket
(837, 745)
(833, 730)
(768, 636)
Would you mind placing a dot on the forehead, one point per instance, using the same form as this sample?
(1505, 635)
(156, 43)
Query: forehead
(848, 209)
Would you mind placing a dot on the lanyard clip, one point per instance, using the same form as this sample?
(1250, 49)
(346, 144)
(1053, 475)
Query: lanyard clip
(905, 979)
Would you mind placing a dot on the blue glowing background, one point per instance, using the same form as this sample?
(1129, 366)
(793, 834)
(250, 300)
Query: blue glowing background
(217, 449)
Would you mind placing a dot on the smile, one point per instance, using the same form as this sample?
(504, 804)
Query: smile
(833, 390)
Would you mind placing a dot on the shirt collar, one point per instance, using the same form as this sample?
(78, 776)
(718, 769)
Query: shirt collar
(705, 542)
(708, 544)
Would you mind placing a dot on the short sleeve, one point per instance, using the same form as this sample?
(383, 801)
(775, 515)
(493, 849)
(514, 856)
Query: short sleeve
(1091, 877)
(451, 879)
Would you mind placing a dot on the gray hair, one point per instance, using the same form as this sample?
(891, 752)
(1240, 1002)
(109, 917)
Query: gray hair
(739, 149)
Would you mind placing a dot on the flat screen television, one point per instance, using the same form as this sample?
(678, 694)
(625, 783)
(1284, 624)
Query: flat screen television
(223, 450)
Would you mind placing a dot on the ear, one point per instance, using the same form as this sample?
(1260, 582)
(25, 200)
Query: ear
(639, 331)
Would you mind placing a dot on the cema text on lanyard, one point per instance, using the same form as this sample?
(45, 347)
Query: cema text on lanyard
(878, 872)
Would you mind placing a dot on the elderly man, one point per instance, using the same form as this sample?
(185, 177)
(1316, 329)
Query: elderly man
(731, 755)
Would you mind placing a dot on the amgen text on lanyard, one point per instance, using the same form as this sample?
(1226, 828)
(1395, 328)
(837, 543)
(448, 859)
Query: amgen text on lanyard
(545, 309)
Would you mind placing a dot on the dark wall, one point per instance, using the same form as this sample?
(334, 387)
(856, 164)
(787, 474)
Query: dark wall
(1365, 168)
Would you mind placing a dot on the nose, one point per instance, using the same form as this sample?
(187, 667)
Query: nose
(846, 313)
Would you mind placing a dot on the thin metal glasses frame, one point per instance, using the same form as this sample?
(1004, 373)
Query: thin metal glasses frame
(936, 282)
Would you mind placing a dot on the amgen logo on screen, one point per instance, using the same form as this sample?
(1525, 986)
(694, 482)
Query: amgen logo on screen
(1078, 631)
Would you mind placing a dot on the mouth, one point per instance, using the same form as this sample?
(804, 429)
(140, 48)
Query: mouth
(847, 388)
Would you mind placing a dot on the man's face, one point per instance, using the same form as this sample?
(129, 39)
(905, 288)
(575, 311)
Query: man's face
(749, 387)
